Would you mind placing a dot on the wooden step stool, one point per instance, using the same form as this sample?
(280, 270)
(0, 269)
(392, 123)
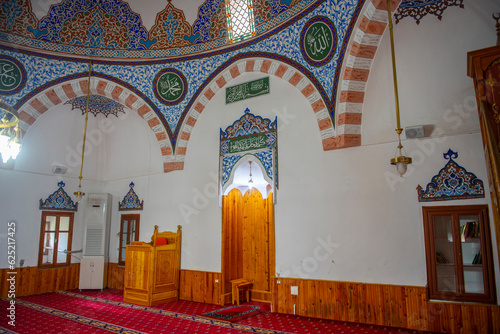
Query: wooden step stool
(238, 285)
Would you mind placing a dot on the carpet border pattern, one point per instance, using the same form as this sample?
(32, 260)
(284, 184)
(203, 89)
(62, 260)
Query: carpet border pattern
(218, 323)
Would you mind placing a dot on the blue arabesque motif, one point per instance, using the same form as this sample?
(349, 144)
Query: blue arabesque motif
(50, 27)
(248, 125)
(59, 200)
(451, 183)
(130, 201)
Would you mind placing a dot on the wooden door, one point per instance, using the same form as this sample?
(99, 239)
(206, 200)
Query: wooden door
(248, 242)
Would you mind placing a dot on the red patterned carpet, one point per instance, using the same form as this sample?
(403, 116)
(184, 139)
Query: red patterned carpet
(104, 312)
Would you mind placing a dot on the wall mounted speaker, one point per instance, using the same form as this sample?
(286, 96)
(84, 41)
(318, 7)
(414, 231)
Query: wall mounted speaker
(59, 170)
(414, 132)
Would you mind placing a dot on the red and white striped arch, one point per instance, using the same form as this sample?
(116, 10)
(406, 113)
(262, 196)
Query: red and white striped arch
(62, 92)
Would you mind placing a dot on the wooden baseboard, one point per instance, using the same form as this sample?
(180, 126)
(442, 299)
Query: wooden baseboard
(116, 276)
(33, 281)
(383, 305)
(200, 286)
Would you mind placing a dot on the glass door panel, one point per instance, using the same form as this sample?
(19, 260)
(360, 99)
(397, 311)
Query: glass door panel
(48, 248)
(470, 236)
(124, 232)
(62, 245)
(132, 230)
(123, 239)
(64, 223)
(445, 259)
(50, 223)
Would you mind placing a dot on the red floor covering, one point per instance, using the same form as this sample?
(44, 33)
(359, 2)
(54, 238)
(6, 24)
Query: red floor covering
(98, 312)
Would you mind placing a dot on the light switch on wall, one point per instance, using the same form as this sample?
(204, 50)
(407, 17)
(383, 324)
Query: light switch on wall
(294, 290)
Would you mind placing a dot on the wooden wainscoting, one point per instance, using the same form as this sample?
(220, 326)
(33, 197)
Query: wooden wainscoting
(197, 286)
(200, 286)
(34, 281)
(116, 276)
(384, 305)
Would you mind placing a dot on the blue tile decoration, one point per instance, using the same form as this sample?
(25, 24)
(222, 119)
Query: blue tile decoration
(278, 23)
(280, 44)
(97, 105)
(59, 200)
(248, 124)
(103, 24)
(420, 8)
(451, 183)
(249, 127)
(131, 201)
(17, 18)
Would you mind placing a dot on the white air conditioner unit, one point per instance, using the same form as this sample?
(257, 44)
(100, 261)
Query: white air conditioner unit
(97, 221)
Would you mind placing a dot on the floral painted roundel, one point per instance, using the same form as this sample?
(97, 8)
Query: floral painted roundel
(318, 40)
(170, 86)
(12, 75)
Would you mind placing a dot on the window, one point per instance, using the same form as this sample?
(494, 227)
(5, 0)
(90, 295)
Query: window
(459, 255)
(240, 23)
(129, 231)
(55, 238)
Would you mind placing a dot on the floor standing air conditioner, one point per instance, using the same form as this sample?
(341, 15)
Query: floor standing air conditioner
(94, 263)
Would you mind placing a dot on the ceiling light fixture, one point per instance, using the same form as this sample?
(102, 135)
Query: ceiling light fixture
(79, 194)
(10, 141)
(401, 161)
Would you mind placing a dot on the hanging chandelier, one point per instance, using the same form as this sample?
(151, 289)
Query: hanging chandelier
(250, 180)
(401, 161)
(10, 141)
(79, 194)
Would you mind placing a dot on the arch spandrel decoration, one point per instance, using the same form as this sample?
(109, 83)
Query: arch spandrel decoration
(131, 201)
(451, 183)
(249, 135)
(59, 200)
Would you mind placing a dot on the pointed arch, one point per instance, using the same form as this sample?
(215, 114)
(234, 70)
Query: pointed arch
(356, 69)
(280, 67)
(57, 92)
(226, 188)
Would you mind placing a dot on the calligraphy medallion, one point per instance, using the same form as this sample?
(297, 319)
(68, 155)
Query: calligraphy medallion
(12, 75)
(318, 40)
(170, 86)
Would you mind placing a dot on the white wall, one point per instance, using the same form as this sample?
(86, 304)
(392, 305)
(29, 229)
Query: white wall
(20, 196)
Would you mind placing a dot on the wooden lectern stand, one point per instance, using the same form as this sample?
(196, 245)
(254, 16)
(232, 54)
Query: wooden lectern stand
(152, 269)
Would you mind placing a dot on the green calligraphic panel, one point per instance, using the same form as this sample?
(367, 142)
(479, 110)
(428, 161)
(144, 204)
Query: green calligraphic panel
(248, 89)
(170, 86)
(254, 142)
(10, 76)
(318, 40)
